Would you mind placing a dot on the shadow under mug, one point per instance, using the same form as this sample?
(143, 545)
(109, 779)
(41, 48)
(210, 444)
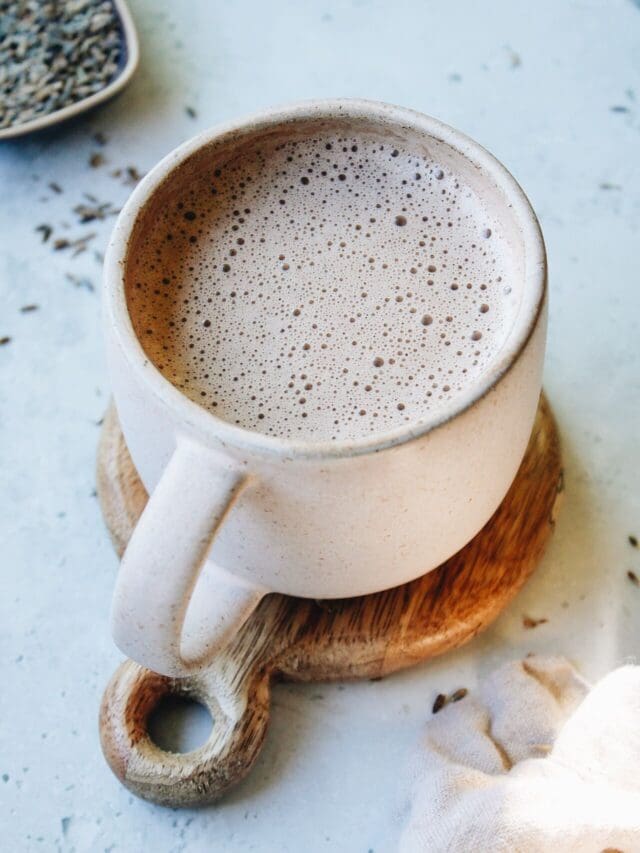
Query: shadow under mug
(235, 514)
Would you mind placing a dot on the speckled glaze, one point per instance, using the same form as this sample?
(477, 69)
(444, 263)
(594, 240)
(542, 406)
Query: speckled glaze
(235, 514)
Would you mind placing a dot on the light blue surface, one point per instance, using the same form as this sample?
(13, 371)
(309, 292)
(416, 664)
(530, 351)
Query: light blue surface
(536, 84)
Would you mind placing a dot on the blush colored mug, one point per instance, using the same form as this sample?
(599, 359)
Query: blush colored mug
(234, 514)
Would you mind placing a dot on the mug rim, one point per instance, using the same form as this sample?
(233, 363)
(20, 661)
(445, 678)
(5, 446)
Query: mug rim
(208, 427)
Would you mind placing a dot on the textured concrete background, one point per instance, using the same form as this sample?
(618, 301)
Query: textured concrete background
(553, 89)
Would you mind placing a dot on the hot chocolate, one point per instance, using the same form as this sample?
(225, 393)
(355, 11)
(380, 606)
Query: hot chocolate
(323, 287)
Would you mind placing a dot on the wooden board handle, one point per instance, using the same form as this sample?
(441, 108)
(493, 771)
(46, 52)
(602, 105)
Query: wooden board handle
(240, 714)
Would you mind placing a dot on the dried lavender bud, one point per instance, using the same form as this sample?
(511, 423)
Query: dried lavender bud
(458, 695)
(84, 283)
(45, 230)
(89, 213)
(133, 175)
(438, 705)
(529, 622)
(78, 245)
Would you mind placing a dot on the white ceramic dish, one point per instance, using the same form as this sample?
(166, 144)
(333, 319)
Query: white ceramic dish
(129, 63)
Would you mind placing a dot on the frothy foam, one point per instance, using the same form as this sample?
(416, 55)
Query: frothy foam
(323, 288)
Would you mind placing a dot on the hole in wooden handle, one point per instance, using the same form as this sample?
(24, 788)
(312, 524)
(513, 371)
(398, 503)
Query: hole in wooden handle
(179, 724)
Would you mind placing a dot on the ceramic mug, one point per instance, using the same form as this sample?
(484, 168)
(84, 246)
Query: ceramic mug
(234, 514)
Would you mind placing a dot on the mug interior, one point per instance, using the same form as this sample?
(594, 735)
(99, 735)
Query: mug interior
(429, 139)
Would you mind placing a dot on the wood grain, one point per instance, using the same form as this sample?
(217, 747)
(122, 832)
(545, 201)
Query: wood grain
(306, 640)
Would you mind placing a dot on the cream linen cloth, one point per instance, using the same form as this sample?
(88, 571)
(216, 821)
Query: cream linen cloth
(537, 762)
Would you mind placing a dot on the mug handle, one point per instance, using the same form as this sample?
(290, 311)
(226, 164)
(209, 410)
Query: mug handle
(173, 609)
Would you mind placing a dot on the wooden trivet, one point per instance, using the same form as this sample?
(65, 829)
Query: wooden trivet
(304, 640)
